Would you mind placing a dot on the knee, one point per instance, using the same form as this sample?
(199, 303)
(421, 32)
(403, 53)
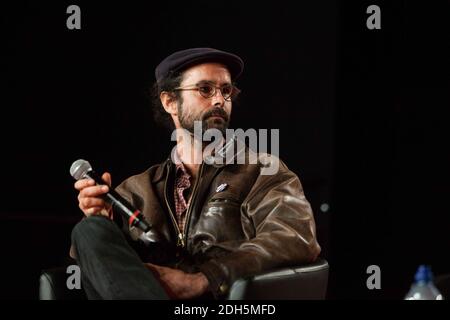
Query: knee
(93, 227)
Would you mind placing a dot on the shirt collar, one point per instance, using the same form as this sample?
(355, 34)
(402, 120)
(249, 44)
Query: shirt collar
(179, 165)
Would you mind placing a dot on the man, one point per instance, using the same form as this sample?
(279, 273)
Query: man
(213, 223)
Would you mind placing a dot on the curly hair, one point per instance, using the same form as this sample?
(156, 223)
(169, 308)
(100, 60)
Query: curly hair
(168, 84)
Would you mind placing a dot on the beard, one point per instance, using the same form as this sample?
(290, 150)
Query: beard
(214, 118)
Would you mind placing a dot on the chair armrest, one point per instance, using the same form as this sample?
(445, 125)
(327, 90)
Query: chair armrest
(294, 283)
(52, 286)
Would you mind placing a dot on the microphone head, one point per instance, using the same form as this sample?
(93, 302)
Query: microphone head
(79, 168)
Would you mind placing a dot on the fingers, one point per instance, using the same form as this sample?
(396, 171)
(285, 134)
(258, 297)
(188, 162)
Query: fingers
(91, 205)
(94, 211)
(90, 197)
(91, 202)
(94, 191)
(151, 266)
(107, 178)
(155, 268)
(83, 183)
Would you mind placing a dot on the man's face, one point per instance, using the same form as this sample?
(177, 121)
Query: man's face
(213, 112)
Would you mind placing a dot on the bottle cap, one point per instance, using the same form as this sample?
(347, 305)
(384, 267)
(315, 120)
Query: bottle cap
(423, 274)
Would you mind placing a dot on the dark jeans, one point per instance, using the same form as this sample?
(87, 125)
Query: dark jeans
(110, 268)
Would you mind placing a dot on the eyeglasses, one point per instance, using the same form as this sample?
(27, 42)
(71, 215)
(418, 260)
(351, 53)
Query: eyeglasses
(208, 90)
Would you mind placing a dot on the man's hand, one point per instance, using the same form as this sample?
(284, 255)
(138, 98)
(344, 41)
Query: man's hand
(90, 197)
(179, 284)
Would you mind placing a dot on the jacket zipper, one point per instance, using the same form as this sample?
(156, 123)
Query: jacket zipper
(188, 214)
(180, 241)
(181, 237)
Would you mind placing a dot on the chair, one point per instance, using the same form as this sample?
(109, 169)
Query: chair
(307, 282)
(294, 283)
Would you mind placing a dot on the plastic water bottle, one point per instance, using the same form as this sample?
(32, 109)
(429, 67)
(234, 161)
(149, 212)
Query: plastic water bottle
(423, 288)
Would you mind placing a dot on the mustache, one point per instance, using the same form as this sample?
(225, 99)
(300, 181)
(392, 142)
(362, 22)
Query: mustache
(218, 112)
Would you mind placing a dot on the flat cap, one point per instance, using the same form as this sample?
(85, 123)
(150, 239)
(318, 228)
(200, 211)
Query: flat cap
(184, 59)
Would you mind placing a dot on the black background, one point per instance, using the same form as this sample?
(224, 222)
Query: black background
(361, 113)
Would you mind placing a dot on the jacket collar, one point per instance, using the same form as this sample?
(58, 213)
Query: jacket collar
(161, 170)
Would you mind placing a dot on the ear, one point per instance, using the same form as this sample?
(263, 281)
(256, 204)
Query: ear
(169, 102)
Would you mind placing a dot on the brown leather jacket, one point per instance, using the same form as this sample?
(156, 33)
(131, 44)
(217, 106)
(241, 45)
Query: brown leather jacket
(257, 223)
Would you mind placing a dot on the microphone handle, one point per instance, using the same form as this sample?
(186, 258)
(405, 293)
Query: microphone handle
(133, 216)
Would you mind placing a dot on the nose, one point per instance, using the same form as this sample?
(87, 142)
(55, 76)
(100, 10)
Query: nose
(217, 99)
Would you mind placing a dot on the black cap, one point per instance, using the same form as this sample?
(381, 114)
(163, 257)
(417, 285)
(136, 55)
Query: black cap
(184, 59)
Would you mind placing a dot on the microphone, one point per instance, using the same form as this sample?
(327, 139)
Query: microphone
(81, 169)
